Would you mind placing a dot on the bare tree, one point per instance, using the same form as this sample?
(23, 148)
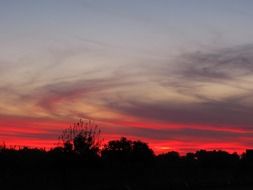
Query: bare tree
(81, 137)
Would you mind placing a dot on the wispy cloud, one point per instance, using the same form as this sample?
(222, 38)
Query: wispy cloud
(209, 88)
(220, 81)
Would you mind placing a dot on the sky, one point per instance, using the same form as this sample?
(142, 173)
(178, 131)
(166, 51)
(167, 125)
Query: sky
(177, 74)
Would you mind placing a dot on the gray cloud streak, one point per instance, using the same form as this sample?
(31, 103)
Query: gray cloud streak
(192, 72)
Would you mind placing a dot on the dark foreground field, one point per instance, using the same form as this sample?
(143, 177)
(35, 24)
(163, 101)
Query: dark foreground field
(116, 169)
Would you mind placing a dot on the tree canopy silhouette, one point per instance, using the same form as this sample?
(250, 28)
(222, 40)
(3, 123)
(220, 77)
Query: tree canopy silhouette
(126, 151)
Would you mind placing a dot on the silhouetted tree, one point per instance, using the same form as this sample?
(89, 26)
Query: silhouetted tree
(141, 152)
(216, 159)
(125, 151)
(117, 150)
(82, 138)
(247, 159)
(169, 159)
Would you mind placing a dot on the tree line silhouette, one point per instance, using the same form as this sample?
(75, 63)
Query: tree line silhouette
(81, 162)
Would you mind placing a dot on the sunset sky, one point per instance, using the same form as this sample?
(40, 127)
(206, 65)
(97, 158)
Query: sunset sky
(177, 74)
